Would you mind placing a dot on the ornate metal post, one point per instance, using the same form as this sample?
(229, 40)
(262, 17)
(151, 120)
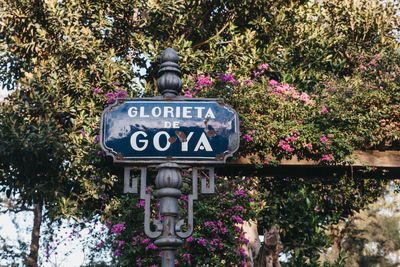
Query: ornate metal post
(168, 183)
(168, 131)
(169, 179)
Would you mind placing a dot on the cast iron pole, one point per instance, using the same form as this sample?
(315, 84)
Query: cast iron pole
(169, 179)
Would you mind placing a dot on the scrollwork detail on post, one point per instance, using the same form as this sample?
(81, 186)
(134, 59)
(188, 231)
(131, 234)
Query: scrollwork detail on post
(147, 200)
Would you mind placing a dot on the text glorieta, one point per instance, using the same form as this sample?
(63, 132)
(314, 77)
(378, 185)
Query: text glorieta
(186, 112)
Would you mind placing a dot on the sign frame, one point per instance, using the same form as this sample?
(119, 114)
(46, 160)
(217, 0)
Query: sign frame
(233, 145)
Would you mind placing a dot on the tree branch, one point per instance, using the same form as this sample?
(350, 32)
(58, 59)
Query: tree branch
(208, 40)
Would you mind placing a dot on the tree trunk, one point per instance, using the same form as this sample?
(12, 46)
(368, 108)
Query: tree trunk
(269, 252)
(254, 245)
(37, 221)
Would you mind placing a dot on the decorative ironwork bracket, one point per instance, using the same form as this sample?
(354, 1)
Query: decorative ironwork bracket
(131, 187)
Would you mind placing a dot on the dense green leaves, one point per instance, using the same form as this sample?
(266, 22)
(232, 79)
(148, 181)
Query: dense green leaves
(330, 87)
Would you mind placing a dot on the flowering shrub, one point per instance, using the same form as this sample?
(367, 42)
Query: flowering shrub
(218, 238)
(279, 121)
(276, 121)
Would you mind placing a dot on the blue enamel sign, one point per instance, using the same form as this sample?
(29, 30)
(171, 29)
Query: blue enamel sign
(149, 130)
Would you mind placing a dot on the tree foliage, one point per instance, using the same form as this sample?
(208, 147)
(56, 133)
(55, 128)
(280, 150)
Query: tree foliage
(371, 236)
(311, 79)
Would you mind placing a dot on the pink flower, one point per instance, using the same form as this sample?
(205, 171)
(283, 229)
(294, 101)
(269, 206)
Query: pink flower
(141, 203)
(96, 91)
(363, 67)
(248, 138)
(323, 138)
(242, 251)
(309, 146)
(239, 208)
(117, 228)
(187, 256)
(324, 110)
(285, 146)
(122, 93)
(273, 82)
(264, 66)
(237, 219)
(295, 95)
(97, 245)
(144, 241)
(327, 157)
(151, 246)
(202, 241)
(204, 81)
(227, 78)
(304, 97)
(110, 100)
(190, 239)
(316, 208)
(247, 81)
(188, 94)
(209, 224)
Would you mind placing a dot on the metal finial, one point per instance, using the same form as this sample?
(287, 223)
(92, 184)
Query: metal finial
(169, 84)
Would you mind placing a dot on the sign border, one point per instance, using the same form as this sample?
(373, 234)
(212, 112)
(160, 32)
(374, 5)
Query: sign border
(233, 145)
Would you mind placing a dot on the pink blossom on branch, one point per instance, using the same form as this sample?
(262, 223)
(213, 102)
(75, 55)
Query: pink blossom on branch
(323, 138)
(273, 83)
(202, 241)
(247, 81)
(264, 66)
(187, 256)
(110, 100)
(248, 138)
(227, 78)
(285, 146)
(188, 94)
(327, 157)
(204, 81)
(237, 219)
(324, 110)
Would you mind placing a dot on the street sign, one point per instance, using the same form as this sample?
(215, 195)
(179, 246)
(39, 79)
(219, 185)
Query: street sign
(157, 130)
